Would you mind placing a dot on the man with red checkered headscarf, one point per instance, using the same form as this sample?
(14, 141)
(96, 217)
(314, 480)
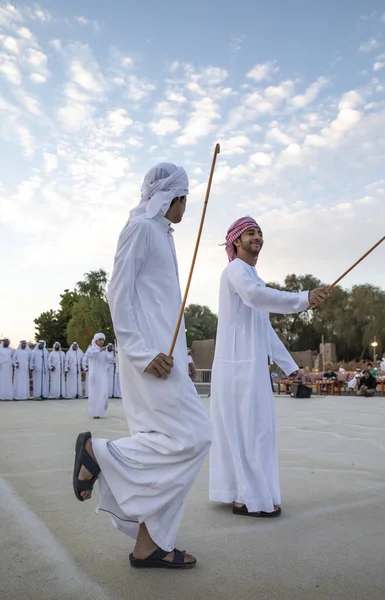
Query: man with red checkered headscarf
(243, 463)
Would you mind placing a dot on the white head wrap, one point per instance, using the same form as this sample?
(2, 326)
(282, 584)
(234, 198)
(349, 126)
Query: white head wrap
(161, 185)
(37, 345)
(27, 348)
(97, 336)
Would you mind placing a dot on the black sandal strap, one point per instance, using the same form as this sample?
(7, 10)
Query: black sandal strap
(159, 554)
(90, 464)
(85, 485)
(178, 557)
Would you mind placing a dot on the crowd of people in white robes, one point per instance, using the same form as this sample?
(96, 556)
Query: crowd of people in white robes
(40, 374)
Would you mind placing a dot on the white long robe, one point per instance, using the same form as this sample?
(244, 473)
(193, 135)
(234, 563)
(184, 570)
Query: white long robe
(243, 462)
(111, 373)
(73, 368)
(146, 477)
(97, 381)
(6, 370)
(56, 360)
(39, 366)
(117, 388)
(87, 374)
(21, 385)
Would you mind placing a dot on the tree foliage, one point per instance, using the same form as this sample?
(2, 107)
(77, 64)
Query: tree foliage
(82, 312)
(350, 319)
(201, 323)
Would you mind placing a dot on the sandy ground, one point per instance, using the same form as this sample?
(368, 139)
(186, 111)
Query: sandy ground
(328, 544)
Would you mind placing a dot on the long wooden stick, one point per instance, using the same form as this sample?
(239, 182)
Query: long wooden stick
(216, 152)
(330, 287)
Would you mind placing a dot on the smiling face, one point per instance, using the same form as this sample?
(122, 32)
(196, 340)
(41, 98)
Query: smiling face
(249, 245)
(99, 342)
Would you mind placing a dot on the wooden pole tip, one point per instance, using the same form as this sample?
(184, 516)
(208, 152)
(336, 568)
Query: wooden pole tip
(217, 149)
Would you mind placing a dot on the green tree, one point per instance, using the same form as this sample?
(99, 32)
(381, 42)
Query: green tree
(49, 328)
(94, 284)
(89, 316)
(201, 323)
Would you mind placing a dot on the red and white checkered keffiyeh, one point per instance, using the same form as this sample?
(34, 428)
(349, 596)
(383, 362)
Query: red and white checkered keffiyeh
(235, 231)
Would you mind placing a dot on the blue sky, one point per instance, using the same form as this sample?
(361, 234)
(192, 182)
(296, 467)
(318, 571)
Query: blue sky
(93, 94)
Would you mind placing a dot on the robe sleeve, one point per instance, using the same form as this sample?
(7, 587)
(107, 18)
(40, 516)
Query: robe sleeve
(32, 361)
(50, 365)
(14, 358)
(66, 362)
(92, 352)
(264, 298)
(280, 355)
(130, 256)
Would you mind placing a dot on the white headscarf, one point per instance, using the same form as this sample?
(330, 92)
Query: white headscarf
(97, 336)
(161, 185)
(27, 348)
(36, 348)
(53, 347)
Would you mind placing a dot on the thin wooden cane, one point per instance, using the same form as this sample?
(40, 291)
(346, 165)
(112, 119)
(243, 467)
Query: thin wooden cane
(330, 287)
(216, 152)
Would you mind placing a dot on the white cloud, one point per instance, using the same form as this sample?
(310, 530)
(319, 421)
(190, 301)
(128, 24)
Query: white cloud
(118, 120)
(89, 80)
(50, 162)
(38, 78)
(236, 42)
(234, 145)
(138, 88)
(370, 45)
(262, 71)
(378, 65)
(333, 135)
(262, 159)
(175, 97)
(11, 44)
(9, 14)
(279, 92)
(25, 33)
(9, 69)
(351, 99)
(27, 141)
(165, 126)
(30, 102)
(200, 123)
(302, 100)
(83, 21)
(276, 135)
(167, 109)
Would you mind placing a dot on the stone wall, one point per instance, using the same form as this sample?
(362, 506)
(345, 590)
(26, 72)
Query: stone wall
(202, 352)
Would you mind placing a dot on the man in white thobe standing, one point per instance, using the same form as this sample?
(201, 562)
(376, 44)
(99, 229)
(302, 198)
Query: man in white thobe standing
(6, 370)
(21, 359)
(39, 367)
(243, 462)
(145, 478)
(56, 365)
(73, 369)
(87, 374)
(110, 357)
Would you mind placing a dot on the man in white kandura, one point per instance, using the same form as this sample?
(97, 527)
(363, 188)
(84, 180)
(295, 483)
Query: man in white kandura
(145, 478)
(110, 354)
(56, 363)
(243, 462)
(97, 376)
(39, 366)
(87, 374)
(6, 370)
(73, 369)
(21, 358)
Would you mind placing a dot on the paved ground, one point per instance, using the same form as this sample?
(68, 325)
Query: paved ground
(328, 545)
